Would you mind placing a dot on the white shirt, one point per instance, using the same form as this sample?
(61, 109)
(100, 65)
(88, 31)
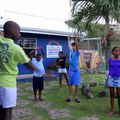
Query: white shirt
(40, 66)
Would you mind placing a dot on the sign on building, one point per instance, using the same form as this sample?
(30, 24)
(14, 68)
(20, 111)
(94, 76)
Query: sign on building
(53, 50)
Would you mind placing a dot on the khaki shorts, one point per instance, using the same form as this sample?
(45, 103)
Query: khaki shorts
(62, 70)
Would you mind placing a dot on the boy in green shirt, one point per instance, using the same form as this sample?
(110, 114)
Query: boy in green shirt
(10, 55)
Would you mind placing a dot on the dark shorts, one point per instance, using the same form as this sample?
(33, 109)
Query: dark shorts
(38, 83)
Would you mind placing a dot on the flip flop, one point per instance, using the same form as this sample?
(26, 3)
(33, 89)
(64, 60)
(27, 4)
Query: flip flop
(77, 100)
(68, 99)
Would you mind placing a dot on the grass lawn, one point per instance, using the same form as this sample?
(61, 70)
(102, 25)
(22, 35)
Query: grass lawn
(52, 94)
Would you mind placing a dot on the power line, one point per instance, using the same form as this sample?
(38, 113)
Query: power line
(26, 14)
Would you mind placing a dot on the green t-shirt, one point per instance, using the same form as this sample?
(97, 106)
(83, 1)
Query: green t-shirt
(10, 55)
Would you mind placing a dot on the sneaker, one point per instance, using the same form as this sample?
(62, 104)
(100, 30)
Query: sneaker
(77, 100)
(68, 99)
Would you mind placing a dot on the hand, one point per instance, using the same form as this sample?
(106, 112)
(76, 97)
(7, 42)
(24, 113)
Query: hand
(58, 66)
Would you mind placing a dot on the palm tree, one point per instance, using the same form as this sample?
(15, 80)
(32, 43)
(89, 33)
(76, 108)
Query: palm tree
(91, 11)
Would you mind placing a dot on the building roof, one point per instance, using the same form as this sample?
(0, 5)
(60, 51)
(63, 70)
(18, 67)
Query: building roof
(40, 31)
(36, 24)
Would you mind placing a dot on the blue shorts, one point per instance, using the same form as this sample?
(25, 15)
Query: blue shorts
(74, 77)
(113, 81)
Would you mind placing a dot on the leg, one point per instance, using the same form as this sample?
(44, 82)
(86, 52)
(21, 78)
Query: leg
(70, 94)
(41, 87)
(7, 113)
(70, 82)
(76, 91)
(1, 112)
(40, 95)
(112, 94)
(35, 86)
(60, 79)
(70, 91)
(35, 94)
(118, 95)
(66, 77)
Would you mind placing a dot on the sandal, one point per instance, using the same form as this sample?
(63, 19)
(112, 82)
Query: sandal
(77, 100)
(68, 99)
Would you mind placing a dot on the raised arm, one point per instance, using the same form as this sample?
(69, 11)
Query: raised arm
(76, 40)
(33, 51)
(43, 53)
(69, 43)
(31, 54)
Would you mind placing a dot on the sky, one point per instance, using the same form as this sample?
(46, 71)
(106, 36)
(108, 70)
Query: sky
(44, 14)
(49, 9)
(56, 9)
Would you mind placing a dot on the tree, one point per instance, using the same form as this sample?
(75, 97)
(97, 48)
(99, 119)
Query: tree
(96, 30)
(91, 11)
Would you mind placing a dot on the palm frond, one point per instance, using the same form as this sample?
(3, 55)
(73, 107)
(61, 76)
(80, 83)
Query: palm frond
(91, 11)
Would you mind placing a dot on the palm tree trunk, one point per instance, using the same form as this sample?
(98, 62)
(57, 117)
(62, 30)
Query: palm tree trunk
(108, 43)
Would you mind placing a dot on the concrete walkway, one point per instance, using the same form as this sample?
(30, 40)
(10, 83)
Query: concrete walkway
(14, 117)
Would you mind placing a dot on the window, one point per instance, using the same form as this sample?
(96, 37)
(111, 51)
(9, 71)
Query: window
(28, 44)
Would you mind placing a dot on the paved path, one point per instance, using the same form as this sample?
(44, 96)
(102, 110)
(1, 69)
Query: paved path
(14, 117)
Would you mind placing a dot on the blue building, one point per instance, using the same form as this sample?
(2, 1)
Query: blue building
(47, 39)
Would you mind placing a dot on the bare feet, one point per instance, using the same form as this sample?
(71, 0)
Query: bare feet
(41, 99)
(111, 113)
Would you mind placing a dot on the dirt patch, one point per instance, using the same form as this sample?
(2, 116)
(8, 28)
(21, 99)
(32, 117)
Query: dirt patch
(21, 112)
(22, 103)
(58, 114)
(22, 94)
(89, 118)
(42, 105)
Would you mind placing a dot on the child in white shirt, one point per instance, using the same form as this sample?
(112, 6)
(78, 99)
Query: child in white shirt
(38, 82)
